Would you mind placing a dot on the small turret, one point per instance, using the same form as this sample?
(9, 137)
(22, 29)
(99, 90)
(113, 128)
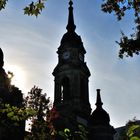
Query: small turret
(99, 115)
(100, 126)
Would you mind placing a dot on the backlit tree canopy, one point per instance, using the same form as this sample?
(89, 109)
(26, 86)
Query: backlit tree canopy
(128, 46)
(33, 8)
(131, 130)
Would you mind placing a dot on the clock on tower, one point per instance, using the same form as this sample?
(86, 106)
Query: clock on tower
(66, 55)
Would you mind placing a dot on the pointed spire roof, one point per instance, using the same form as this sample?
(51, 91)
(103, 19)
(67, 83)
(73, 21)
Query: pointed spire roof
(71, 37)
(98, 100)
(71, 26)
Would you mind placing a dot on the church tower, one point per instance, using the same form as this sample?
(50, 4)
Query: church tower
(72, 74)
(71, 95)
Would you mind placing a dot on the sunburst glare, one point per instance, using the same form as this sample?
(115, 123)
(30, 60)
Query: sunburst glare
(17, 75)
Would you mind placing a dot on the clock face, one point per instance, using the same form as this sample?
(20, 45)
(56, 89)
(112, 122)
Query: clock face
(66, 55)
(81, 57)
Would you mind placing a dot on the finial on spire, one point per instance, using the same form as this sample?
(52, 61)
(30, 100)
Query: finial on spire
(70, 26)
(98, 101)
(1, 58)
(70, 3)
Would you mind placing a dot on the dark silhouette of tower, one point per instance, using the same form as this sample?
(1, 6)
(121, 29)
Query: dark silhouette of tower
(71, 95)
(71, 75)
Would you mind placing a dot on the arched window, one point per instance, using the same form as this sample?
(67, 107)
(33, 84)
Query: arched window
(65, 93)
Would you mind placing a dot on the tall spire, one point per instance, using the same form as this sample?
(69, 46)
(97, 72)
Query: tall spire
(98, 101)
(70, 26)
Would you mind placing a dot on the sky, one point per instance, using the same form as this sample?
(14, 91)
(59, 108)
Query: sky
(30, 44)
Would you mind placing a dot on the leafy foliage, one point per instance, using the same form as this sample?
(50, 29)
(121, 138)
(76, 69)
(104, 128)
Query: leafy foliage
(42, 122)
(38, 109)
(128, 47)
(131, 131)
(119, 7)
(12, 119)
(34, 8)
(80, 134)
(14, 113)
(3, 4)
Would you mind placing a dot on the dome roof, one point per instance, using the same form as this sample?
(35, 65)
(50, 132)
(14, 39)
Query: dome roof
(71, 40)
(99, 115)
(71, 37)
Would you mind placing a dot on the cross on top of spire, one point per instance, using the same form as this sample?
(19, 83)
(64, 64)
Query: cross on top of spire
(70, 26)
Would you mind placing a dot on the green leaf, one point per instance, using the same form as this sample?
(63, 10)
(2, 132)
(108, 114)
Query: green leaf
(2, 4)
(40, 6)
(15, 118)
(26, 11)
(131, 130)
(134, 138)
(66, 130)
(10, 114)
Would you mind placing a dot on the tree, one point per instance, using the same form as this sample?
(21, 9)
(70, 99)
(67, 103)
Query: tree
(128, 46)
(131, 130)
(12, 110)
(42, 121)
(33, 8)
(37, 108)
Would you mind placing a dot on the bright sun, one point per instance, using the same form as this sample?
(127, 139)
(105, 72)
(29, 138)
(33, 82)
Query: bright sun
(19, 76)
